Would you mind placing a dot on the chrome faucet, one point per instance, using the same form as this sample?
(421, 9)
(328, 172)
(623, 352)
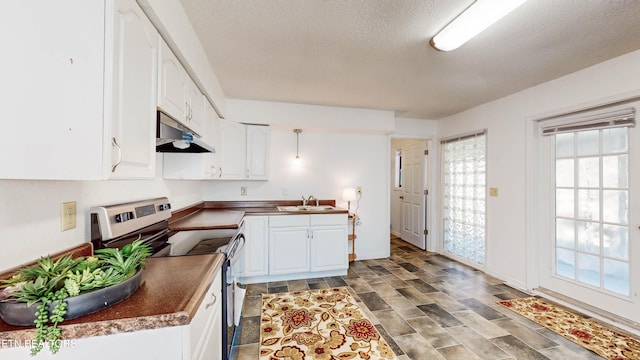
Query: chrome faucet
(306, 201)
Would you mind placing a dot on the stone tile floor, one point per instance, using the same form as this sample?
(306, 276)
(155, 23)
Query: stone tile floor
(426, 306)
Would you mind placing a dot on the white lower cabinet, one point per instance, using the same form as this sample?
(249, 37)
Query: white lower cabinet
(200, 340)
(328, 248)
(288, 250)
(295, 247)
(205, 329)
(255, 260)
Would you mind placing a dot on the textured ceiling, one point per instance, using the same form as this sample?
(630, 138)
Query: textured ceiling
(375, 53)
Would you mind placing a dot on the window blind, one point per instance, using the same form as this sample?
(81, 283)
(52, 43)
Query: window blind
(463, 136)
(589, 121)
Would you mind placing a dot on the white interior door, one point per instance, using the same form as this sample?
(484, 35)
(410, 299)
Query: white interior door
(591, 243)
(413, 194)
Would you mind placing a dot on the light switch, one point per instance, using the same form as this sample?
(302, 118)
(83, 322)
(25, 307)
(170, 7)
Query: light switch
(493, 191)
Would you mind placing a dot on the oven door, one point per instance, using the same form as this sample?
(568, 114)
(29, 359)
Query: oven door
(233, 293)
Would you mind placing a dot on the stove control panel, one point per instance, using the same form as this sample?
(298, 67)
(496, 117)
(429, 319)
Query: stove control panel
(125, 216)
(120, 219)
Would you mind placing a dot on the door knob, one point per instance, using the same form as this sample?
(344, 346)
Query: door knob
(401, 197)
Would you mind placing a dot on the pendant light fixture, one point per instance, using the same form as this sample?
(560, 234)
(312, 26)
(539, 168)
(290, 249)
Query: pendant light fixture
(297, 131)
(477, 17)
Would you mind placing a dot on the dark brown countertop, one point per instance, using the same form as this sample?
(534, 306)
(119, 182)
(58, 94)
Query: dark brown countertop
(209, 219)
(228, 214)
(170, 294)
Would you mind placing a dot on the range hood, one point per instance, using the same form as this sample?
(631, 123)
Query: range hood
(172, 136)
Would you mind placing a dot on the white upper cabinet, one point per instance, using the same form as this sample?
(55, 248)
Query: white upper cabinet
(135, 69)
(172, 85)
(258, 152)
(68, 93)
(178, 95)
(244, 151)
(232, 150)
(195, 110)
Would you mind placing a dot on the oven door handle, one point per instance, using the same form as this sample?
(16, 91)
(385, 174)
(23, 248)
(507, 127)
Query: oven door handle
(156, 236)
(235, 246)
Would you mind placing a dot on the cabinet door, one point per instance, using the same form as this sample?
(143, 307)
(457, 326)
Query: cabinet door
(212, 137)
(288, 250)
(195, 108)
(134, 83)
(258, 152)
(329, 248)
(172, 87)
(51, 90)
(233, 150)
(255, 259)
(205, 341)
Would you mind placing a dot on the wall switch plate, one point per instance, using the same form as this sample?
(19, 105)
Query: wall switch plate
(285, 191)
(243, 190)
(68, 215)
(493, 191)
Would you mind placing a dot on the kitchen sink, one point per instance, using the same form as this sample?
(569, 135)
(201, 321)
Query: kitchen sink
(306, 208)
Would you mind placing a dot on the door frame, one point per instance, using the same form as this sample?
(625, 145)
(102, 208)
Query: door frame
(537, 172)
(433, 241)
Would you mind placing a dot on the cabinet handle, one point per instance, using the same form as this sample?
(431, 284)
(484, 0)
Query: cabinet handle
(211, 303)
(115, 143)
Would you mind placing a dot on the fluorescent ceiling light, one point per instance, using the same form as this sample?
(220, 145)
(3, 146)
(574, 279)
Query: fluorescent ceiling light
(477, 17)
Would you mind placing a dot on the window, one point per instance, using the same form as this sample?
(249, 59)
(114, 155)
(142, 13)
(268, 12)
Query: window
(591, 195)
(398, 169)
(464, 172)
(591, 213)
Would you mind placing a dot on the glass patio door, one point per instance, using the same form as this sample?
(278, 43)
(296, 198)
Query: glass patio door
(594, 247)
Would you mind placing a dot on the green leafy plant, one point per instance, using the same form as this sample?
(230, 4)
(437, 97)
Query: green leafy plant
(51, 282)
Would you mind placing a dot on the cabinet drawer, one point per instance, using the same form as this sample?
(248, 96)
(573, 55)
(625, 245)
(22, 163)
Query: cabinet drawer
(328, 219)
(289, 220)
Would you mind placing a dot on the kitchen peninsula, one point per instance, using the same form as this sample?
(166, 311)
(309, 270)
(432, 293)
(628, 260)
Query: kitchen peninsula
(168, 317)
(285, 240)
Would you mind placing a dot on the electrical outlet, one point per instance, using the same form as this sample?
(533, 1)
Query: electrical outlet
(68, 215)
(359, 190)
(285, 191)
(243, 190)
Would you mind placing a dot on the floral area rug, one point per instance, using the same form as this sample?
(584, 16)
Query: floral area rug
(603, 340)
(318, 324)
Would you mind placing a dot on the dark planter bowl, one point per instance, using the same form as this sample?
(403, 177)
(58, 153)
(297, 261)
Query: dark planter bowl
(20, 314)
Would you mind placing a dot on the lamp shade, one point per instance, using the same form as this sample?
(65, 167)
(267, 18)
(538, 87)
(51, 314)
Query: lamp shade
(349, 194)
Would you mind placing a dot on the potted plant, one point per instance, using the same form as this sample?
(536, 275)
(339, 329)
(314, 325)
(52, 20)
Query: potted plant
(47, 293)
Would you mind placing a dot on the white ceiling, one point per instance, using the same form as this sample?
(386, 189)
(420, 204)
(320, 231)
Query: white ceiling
(375, 53)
